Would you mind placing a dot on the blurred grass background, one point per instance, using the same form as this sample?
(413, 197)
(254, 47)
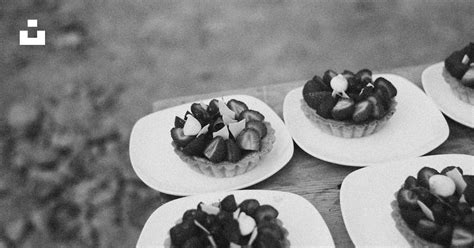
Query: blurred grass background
(134, 52)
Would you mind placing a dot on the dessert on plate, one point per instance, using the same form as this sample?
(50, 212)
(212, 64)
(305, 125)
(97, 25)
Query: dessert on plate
(228, 224)
(458, 72)
(349, 105)
(435, 209)
(222, 139)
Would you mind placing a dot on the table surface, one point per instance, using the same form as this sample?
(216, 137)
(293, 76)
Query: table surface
(316, 180)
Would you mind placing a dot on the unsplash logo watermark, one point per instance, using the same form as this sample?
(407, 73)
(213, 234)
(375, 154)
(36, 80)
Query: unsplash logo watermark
(39, 40)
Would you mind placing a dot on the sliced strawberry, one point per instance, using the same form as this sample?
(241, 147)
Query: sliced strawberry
(249, 139)
(218, 124)
(378, 110)
(233, 151)
(354, 84)
(196, 146)
(258, 126)
(237, 106)
(186, 114)
(216, 150)
(327, 104)
(468, 78)
(315, 85)
(367, 91)
(179, 138)
(384, 83)
(383, 97)
(454, 64)
(365, 76)
(313, 99)
(250, 115)
(362, 111)
(213, 107)
(327, 76)
(469, 51)
(343, 109)
(178, 122)
(200, 113)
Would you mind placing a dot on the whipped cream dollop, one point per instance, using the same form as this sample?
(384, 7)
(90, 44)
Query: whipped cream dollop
(339, 86)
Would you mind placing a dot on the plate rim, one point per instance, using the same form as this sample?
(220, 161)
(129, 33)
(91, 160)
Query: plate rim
(314, 212)
(151, 182)
(387, 165)
(429, 146)
(449, 113)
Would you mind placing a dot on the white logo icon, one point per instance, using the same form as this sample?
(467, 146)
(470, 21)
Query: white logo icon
(39, 40)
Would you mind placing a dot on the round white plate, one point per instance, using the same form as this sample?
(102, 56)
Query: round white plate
(416, 128)
(366, 195)
(156, 163)
(305, 225)
(436, 88)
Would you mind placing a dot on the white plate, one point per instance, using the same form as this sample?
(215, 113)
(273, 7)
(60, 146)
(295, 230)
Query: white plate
(155, 162)
(416, 128)
(305, 225)
(366, 195)
(436, 88)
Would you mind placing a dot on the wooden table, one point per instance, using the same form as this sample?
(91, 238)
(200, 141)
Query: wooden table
(316, 180)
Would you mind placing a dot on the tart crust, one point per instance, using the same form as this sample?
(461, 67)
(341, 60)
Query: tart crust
(226, 168)
(407, 232)
(462, 92)
(347, 129)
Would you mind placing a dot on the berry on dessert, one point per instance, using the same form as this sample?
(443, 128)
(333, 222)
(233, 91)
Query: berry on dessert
(228, 224)
(349, 105)
(458, 72)
(432, 210)
(222, 139)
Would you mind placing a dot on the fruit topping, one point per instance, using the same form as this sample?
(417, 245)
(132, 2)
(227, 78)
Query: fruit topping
(387, 85)
(365, 92)
(192, 126)
(223, 132)
(327, 77)
(426, 228)
(200, 113)
(208, 209)
(246, 224)
(315, 85)
(468, 78)
(469, 194)
(443, 235)
(249, 206)
(410, 183)
(363, 110)
(251, 115)
(225, 111)
(455, 66)
(339, 85)
(178, 122)
(236, 127)
(227, 120)
(216, 150)
(424, 175)
(213, 107)
(407, 199)
(179, 138)
(237, 106)
(378, 109)
(249, 139)
(196, 146)
(458, 179)
(228, 204)
(265, 213)
(441, 185)
(314, 99)
(462, 237)
(365, 76)
(182, 232)
(354, 83)
(343, 109)
(326, 105)
(425, 196)
(411, 216)
(204, 130)
(233, 151)
(258, 126)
